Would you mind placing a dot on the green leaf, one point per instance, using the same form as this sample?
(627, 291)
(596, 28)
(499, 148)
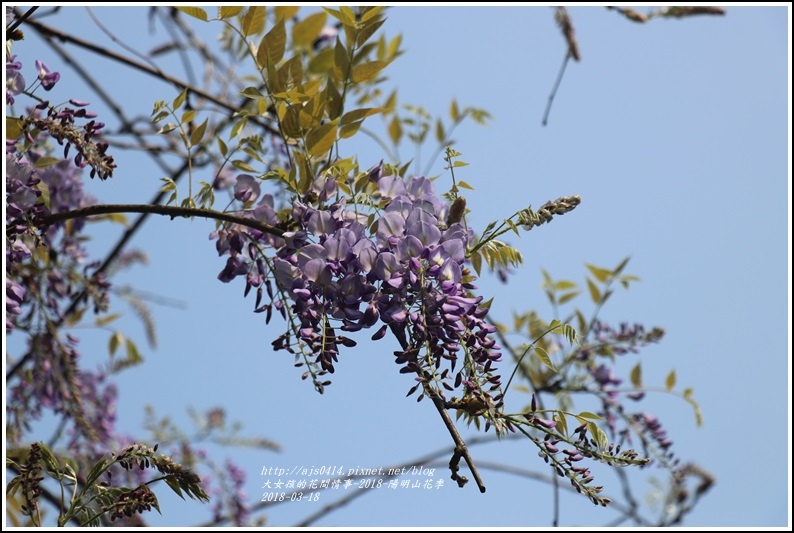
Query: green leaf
(174, 484)
(307, 30)
(342, 16)
(107, 319)
(595, 294)
(367, 71)
(669, 383)
(49, 459)
(636, 376)
(567, 297)
(167, 128)
(273, 45)
(321, 139)
(194, 12)
(198, 133)
(371, 12)
(454, 112)
(476, 262)
(588, 415)
(463, 185)
(598, 434)
(13, 128)
(562, 423)
(160, 116)
(341, 59)
(47, 161)
(115, 340)
(253, 21)
(222, 146)
(239, 164)
(179, 100)
(601, 274)
(621, 266)
(457, 164)
(133, 356)
(359, 114)
(286, 12)
(395, 130)
(187, 116)
(225, 12)
(253, 93)
(544, 358)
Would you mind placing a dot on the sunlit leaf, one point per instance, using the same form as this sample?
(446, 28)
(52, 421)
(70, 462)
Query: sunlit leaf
(196, 12)
(13, 128)
(286, 12)
(367, 71)
(595, 294)
(544, 358)
(476, 262)
(179, 100)
(568, 296)
(253, 22)
(588, 415)
(601, 274)
(636, 376)
(198, 133)
(669, 382)
(46, 161)
(225, 12)
(320, 140)
(395, 130)
(307, 30)
(273, 45)
(454, 112)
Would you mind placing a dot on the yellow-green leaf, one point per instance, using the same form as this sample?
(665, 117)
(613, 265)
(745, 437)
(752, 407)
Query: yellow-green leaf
(273, 44)
(598, 434)
(321, 139)
(253, 21)
(588, 415)
(669, 383)
(636, 376)
(463, 185)
(225, 12)
(179, 100)
(367, 71)
(115, 340)
(476, 262)
(342, 16)
(222, 146)
(307, 30)
(252, 92)
(239, 164)
(187, 116)
(47, 161)
(358, 114)
(13, 128)
(196, 12)
(371, 12)
(107, 319)
(595, 294)
(601, 274)
(454, 112)
(395, 130)
(568, 296)
(348, 130)
(544, 358)
(198, 133)
(286, 12)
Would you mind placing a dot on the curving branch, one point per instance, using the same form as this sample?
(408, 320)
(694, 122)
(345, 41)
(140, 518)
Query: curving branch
(166, 210)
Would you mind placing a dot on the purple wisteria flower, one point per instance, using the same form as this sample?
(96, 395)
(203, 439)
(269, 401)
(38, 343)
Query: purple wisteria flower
(46, 76)
(340, 271)
(15, 81)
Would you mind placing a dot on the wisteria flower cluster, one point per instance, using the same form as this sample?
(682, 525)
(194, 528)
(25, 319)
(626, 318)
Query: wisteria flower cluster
(408, 273)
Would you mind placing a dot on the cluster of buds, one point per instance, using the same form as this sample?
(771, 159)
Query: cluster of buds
(560, 206)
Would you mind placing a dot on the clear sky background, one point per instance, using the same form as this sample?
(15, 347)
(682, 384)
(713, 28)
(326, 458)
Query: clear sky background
(675, 134)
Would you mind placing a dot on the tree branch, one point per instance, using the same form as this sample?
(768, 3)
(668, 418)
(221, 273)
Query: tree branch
(166, 210)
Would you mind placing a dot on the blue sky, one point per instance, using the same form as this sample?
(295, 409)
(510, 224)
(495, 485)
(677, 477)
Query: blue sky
(675, 134)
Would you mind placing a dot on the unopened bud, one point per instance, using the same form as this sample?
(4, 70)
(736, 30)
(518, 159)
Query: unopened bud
(456, 210)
